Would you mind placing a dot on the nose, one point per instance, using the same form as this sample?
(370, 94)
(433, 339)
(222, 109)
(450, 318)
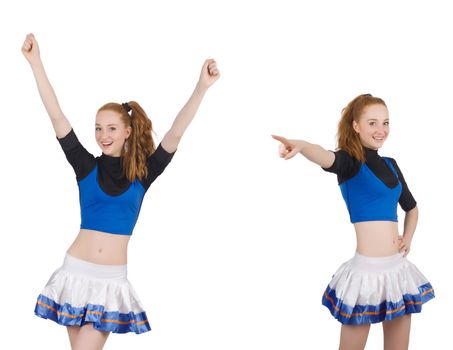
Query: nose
(382, 129)
(102, 134)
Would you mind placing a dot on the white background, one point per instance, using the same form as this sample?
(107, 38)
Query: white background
(234, 246)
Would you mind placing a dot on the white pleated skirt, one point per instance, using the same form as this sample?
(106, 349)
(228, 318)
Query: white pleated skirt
(81, 292)
(369, 290)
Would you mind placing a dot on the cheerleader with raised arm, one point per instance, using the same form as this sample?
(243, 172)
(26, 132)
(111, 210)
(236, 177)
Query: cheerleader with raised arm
(90, 293)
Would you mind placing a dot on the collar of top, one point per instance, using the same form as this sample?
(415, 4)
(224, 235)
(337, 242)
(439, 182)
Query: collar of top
(371, 153)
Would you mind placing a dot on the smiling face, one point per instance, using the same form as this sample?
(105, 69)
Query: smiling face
(111, 133)
(373, 126)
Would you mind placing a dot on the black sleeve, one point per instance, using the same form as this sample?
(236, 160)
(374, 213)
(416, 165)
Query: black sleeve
(157, 162)
(81, 160)
(407, 201)
(345, 165)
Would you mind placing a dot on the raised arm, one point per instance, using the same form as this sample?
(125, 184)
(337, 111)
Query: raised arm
(208, 76)
(314, 153)
(30, 49)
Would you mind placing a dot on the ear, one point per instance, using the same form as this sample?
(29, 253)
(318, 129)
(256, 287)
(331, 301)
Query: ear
(128, 132)
(356, 127)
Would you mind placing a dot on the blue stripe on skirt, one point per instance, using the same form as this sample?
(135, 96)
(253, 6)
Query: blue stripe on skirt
(386, 311)
(109, 321)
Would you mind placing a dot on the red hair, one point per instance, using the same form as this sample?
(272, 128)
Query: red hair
(348, 139)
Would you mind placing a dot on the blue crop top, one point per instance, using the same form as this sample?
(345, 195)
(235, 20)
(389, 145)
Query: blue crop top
(371, 190)
(108, 201)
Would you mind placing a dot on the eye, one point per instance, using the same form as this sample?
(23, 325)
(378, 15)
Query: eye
(112, 128)
(372, 123)
(386, 123)
(98, 128)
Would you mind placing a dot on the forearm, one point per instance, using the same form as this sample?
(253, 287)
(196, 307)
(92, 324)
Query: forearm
(316, 154)
(49, 99)
(410, 223)
(183, 119)
(46, 91)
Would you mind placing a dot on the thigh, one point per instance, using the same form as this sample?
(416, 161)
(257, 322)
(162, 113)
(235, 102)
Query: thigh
(396, 333)
(88, 338)
(73, 333)
(354, 337)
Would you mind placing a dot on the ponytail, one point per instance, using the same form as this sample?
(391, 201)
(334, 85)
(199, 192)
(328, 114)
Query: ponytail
(348, 139)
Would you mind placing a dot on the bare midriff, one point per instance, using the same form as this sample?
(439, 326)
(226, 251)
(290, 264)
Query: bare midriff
(100, 247)
(377, 238)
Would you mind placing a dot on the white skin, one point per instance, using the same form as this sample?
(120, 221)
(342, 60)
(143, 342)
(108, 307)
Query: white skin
(374, 238)
(111, 133)
(373, 126)
(95, 246)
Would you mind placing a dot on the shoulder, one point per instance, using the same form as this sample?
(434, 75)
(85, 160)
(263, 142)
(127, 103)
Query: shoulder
(392, 161)
(396, 167)
(80, 159)
(156, 164)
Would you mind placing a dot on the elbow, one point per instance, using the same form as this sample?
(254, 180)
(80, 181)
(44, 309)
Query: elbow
(413, 212)
(171, 141)
(174, 136)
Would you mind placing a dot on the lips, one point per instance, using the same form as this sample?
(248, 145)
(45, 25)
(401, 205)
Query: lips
(106, 144)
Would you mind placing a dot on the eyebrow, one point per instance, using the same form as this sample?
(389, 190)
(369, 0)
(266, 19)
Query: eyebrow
(375, 119)
(107, 124)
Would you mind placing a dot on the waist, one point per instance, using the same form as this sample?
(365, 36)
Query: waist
(100, 247)
(377, 264)
(88, 269)
(377, 238)
(103, 222)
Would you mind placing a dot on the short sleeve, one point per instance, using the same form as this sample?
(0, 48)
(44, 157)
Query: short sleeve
(406, 201)
(157, 162)
(80, 159)
(345, 165)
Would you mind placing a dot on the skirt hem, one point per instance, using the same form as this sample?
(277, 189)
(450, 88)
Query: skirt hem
(386, 311)
(107, 321)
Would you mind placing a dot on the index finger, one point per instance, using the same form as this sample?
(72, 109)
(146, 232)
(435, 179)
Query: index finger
(282, 140)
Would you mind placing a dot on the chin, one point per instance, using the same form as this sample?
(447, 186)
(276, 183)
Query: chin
(113, 154)
(381, 144)
(108, 152)
(375, 144)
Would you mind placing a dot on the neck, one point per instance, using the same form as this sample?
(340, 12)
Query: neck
(370, 153)
(110, 156)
